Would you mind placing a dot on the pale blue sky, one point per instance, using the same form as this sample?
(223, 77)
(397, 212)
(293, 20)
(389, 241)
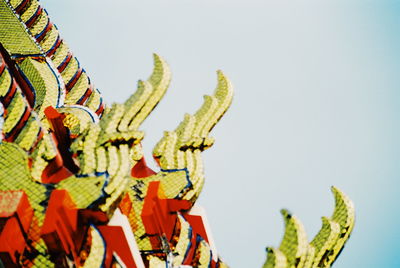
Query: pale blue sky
(316, 104)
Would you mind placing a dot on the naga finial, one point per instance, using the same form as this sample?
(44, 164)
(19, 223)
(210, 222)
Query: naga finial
(75, 190)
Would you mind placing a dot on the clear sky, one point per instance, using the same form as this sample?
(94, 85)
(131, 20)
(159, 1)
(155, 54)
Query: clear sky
(317, 103)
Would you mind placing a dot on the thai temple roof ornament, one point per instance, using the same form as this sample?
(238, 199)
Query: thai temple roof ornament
(75, 190)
